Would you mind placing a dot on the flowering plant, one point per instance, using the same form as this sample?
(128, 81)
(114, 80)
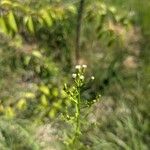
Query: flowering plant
(74, 94)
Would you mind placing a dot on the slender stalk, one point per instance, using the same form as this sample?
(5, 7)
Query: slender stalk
(78, 30)
(77, 130)
(78, 112)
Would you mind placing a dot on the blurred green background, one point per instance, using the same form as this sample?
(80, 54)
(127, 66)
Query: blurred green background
(37, 56)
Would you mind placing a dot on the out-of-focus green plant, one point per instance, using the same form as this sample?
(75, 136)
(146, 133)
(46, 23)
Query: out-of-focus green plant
(45, 97)
(46, 25)
(14, 135)
(15, 17)
(106, 20)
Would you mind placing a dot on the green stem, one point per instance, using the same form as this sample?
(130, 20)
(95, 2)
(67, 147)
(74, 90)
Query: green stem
(78, 113)
(77, 130)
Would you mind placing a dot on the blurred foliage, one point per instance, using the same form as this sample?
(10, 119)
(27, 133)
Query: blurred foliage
(37, 40)
(14, 135)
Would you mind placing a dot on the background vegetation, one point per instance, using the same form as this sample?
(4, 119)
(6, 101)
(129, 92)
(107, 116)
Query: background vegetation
(40, 44)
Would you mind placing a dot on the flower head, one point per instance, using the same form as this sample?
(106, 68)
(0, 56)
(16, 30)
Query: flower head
(74, 75)
(92, 77)
(78, 66)
(84, 66)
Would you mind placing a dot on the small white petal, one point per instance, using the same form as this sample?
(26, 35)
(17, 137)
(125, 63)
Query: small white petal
(78, 66)
(92, 77)
(74, 75)
(84, 66)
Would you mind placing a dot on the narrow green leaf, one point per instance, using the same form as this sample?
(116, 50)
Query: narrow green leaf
(37, 54)
(29, 23)
(44, 89)
(3, 27)
(46, 17)
(12, 22)
(6, 3)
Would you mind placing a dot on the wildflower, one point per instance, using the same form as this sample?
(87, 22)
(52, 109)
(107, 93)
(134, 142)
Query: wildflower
(74, 75)
(84, 66)
(92, 77)
(82, 77)
(78, 66)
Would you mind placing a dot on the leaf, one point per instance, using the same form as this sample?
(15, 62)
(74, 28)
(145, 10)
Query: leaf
(1, 108)
(21, 105)
(44, 89)
(6, 3)
(55, 92)
(3, 27)
(44, 101)
(46, 17)
(72, 9)
(29, 95)
(29, 23)
(52, 113)
(112, 9)
(12, 22)
(37, 54)
(9, 112)
(27, 60)
(57, 104)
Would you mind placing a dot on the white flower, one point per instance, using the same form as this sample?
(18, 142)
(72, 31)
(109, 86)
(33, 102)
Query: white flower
(92, 77)
(74, 75)
(82, 77)
(84, 66)
(78, 66)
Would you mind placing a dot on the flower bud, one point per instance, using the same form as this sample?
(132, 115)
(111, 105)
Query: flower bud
(74, 75)
(84, 66)
(78, 67)
(92, 77)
